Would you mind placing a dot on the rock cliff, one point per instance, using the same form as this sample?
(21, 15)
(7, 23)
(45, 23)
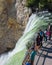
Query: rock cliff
(23, 12)
(13, 19)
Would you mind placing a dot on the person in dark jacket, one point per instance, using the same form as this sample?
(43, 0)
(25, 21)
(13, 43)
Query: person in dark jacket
(39, 40)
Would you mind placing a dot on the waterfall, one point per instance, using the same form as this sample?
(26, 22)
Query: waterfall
(35, 21)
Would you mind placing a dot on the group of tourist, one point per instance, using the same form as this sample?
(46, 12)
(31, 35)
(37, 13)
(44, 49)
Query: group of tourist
(41, 35)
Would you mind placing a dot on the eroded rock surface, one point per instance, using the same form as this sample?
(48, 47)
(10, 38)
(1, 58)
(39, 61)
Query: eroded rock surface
(23, 12)
(13, 20)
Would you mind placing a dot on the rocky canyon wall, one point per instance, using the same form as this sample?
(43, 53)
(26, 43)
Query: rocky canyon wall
(14, 16)
(23, 12)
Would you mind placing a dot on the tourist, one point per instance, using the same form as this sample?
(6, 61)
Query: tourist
(49, 26)
(49, 29)
(41, 33)
(48, 34)
(28, 62)
(39, 41)
(45, 37)
(32, 55)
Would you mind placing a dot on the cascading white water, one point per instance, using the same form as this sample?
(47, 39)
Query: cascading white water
(35, 21)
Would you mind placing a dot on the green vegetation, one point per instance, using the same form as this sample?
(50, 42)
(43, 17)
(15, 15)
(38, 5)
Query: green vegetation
(31, 3)
(28, 45)
(39, 3)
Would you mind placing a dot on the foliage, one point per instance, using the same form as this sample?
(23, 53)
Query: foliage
(28, 45)
(38, 3)
(30, 3)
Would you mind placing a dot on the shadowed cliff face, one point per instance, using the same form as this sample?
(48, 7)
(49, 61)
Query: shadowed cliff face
(10, 29)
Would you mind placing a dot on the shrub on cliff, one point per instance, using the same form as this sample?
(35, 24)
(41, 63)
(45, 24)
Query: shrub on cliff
(30, 3)
(39, 4)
